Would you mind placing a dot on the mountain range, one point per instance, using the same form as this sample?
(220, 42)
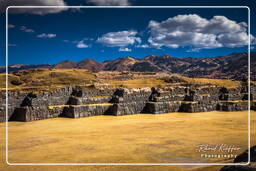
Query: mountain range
(233, 66)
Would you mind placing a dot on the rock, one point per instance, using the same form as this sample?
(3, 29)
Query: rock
(238, 168)
(162, 107)
(243, 158)
(85, 110)
(232, 106)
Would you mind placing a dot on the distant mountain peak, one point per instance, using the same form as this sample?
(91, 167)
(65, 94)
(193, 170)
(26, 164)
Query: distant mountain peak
(233, 66)
(166, 56)
(130, 58)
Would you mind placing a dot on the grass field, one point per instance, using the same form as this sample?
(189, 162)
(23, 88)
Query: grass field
(218, 82)
(132, 138)
(49, 79)
(46, 79)
(137, 83)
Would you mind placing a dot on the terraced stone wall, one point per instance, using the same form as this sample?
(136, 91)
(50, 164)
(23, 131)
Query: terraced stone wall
(74, 102)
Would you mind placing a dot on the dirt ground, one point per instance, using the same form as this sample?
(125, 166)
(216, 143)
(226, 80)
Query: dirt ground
(142, 138)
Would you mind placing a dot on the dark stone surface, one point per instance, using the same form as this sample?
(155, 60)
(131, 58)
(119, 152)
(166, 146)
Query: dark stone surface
(243, 158)
(85, 110)
(162, 107)
(238, 168)
(129, 108)
(89, 100)
(232, 106)
(253, 105)
(28, 113)
(125, 101)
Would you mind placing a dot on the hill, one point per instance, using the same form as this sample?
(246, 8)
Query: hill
(233, 66)
(46, 79)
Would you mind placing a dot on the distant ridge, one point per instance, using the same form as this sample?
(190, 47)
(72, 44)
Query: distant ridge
(18, 67)
(233, 66)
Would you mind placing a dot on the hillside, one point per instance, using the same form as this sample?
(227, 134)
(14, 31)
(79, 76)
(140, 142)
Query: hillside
(233, 66)
(46, 79)
(49, 79)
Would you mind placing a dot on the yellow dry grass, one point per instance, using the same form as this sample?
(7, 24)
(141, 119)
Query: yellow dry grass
(133, 138)
(136, 83)
(218, 82)
(46, 79)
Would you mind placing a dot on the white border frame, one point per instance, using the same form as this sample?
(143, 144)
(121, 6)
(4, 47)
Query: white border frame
(126, 164)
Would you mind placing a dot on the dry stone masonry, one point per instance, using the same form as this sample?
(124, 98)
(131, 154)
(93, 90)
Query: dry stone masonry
(75, 102)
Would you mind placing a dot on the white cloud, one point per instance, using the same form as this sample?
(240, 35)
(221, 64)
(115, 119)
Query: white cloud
(119, 39)
(124, 49)
(144, 46)
(81, 44)
(39, 11)
(197, 32)
(44, 35)
(11, 26)
(110, 2)
(25, 29)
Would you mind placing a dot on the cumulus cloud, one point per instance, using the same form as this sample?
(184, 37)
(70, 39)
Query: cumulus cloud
(81, 44)
(25, 29)
(109, 2)
(144, 46)
(119, 39)
(124, 49)
(197, 32)
(44, 35)
(39, 11)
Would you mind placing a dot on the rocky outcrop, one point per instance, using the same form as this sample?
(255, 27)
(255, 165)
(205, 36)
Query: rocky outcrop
(75, 102)
(243, 158)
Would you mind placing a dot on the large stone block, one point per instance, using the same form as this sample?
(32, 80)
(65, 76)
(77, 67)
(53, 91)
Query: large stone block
(27, 113)
(88, 100)
(232, 105)
(128, 108)
(162, 107)
(77, 111)
(192, 107)
(253, 105)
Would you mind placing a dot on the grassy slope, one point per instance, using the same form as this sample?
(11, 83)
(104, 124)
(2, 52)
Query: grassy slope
(219, 82)
(49, 79)
(137, 83)
(133, 138)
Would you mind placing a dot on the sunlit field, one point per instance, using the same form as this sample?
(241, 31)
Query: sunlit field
(142, 138)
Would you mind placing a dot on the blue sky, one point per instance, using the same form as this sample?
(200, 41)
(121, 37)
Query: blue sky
(48, 37)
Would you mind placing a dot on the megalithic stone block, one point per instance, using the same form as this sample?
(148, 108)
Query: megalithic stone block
(28, 113)
(77, 111)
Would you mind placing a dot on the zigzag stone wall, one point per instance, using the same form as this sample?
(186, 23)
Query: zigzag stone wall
(74, 102)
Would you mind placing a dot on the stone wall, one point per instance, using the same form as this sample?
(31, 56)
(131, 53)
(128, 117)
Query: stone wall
(75, 102)
(129, 101)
